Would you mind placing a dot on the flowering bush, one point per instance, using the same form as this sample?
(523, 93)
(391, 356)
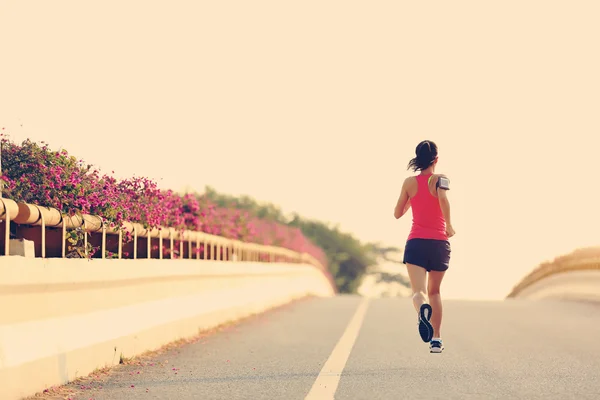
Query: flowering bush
(275, 234)
(35, 174)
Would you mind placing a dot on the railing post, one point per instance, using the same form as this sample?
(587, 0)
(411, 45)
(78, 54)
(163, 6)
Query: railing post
(120, 243)
(181, 237)
(1, 181)
(160, 244)
(43, 231)
(64, 236)
(171, 242)
(85, 238)
(149, 242)
(7, 228)
(103, 238)
(135, 240)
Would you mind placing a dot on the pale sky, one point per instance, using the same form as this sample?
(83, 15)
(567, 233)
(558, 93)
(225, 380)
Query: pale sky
(317, 106)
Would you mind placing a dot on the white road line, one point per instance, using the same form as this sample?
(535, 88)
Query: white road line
(327, 382)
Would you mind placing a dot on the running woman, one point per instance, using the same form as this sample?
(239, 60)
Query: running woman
(427, 250)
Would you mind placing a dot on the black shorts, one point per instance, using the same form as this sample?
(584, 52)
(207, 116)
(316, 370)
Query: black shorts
(431, 254)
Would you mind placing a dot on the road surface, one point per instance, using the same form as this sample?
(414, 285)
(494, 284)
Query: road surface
(494, 350)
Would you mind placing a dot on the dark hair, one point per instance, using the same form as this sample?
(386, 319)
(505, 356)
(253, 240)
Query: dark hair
(426, 153)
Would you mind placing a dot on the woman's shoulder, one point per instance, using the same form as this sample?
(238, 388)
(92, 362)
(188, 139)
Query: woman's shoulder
(410, 184)
(410, 180)
(433, 180)
(435, 177)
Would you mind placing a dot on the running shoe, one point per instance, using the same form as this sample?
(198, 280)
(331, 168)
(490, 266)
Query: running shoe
(425, 328)
(436, 346)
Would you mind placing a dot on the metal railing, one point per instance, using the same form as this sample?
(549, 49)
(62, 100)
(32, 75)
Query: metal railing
(553, 268)
(192, 244)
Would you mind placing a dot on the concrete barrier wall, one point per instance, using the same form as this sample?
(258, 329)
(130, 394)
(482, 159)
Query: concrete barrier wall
(570, 285)
(64, 318)
(566, 273)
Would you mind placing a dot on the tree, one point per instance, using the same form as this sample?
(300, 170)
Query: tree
(348, 258)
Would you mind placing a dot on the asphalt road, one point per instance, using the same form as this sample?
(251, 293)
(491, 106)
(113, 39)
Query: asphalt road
(494, 350)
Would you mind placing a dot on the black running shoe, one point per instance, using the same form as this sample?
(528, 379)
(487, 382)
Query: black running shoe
(425, 328)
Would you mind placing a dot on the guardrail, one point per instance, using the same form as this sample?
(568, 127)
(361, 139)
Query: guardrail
(558, 266)
(47, 228)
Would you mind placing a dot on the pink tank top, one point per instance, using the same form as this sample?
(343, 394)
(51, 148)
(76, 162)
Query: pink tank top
(428, 220)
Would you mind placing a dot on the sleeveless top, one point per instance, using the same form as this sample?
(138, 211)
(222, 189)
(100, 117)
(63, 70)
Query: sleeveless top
(428, 219)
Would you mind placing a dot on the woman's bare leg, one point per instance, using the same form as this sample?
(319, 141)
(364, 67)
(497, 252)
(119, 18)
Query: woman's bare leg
(435, 300)
(418, 283)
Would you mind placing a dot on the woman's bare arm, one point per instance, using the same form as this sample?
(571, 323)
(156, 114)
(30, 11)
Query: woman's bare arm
(403, 203)
(445, 206)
